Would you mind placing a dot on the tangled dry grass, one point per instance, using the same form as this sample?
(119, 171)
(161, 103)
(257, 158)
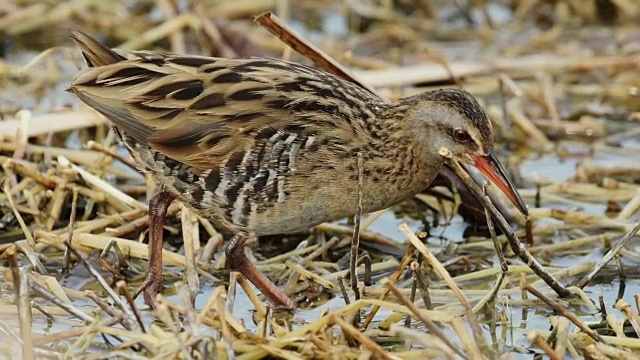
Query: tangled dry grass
(559, 78)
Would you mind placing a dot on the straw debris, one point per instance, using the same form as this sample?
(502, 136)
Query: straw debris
(559, 80)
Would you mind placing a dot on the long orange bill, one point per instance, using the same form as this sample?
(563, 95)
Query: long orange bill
(491, 168)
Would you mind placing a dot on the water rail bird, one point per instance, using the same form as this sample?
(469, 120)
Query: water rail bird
(264, 146)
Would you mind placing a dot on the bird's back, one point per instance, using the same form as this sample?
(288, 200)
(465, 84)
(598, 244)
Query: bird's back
(259, 145)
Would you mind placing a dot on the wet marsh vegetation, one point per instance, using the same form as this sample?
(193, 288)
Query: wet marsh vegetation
(559, 80)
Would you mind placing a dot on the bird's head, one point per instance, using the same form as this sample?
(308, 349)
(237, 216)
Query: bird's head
(453, 119)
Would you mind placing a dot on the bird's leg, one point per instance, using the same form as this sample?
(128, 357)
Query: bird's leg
(238, 261)
(152, 284)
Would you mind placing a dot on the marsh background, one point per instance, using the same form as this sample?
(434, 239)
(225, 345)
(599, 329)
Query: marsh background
(559, 80)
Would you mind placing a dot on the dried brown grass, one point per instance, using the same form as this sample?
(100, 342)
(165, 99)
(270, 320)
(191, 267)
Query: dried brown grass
(56, 193)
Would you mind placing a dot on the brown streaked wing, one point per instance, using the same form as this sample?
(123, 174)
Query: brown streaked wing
(199, 110)
(94, 52)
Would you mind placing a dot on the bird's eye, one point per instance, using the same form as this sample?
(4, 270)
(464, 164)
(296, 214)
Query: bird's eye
(461, 135)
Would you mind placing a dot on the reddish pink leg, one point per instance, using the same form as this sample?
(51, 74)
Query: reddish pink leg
(238, 261)
(152, 284)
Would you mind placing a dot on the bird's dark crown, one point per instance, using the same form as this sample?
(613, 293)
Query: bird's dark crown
(465, 104)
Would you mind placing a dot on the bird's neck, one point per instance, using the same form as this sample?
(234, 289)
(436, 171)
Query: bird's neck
(398, 167)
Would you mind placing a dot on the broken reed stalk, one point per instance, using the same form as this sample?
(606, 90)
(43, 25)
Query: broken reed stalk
(561, 326)
(440, 270)
(412, 298)
(274, 25)
(504, 268)
(608, 256)
(66, 260)
(231, 290)
(496, 244)
(191, 241)
(516, 245)
(24, 309)
(92, 145)
(406, 259)
(366, 259)
(421, 284)
(343, 290)
(563, 312)
(16, 213)
(428, 323)
(128, 313)
(355, 239)
(21, 286)
(535, 337)
(360, 337)
(632, 317)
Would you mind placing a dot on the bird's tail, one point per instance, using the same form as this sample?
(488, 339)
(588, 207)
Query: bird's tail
(94, 52)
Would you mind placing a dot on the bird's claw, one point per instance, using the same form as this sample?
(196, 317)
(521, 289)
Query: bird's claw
(150, 288)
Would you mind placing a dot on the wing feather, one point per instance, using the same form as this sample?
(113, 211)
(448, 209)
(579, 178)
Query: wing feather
(200, 110)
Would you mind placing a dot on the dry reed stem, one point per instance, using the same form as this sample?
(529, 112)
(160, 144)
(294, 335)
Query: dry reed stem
(16, 213)
(211, 30)
(114, 197)
(190, 231)
(369, 236)
(406, 259)
(422, 285)
(631, 207)
(231, 290)
(386, 265)
(519, 118)
(444, 275)
(563, 312)
(161, 31)
(522, 66)
(31, 187)
(561, 326)
(67, 334)
(21, 135)
(92, 145)
(132, 248)
(271, 22)
(261, 310)
(355, 238)
(362, 339)
(608, 256)
(31, 255)
(540, 342)
(320, 250)
(432, 347)
(631, 343)
(310, 275)
(69, 308)
(431, 326)
(632, 316)
(21, 284)
(53, 122)
(298, 251)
